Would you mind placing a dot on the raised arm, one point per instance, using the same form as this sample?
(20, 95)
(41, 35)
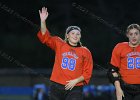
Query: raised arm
(44, 35)
(43, 16)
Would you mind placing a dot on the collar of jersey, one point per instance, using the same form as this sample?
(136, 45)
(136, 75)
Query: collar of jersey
(78, 45)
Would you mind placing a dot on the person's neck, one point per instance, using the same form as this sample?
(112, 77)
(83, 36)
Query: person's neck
(73, 45)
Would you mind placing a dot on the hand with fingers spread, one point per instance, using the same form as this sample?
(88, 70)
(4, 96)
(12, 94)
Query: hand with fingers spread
(71, 84)
(43, 14)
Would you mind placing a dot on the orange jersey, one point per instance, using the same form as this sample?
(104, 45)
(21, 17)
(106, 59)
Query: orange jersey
(127, 59)
(70, 62)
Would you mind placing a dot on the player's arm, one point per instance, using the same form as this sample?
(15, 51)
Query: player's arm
(113, 66)
(119, 91)
(43, 16)
(115, 78)
(87, 67)
(113, 74)
(44, 35)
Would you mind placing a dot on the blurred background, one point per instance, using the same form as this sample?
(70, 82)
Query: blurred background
(26, 64)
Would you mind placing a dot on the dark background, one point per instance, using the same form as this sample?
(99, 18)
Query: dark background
(103, 26)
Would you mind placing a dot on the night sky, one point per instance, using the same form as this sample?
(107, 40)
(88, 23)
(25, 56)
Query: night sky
(103, 24)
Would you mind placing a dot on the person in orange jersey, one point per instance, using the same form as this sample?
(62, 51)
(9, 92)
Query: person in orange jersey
(125, 66)
(73, 62)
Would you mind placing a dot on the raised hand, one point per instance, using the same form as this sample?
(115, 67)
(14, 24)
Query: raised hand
(43, 14)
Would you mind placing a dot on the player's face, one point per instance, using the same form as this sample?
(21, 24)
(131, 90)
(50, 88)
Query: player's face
(74, 37)
(134, 37)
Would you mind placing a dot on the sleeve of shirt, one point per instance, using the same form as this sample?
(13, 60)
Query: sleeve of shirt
(115, 59)
(47, 39)
(87, 67)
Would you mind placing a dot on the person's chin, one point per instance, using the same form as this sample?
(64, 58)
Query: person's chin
(75, 42)
(134, 43)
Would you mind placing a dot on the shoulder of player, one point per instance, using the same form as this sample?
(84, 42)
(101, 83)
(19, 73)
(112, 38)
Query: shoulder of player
(85, 49)
(58, 39)
(122, 44)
